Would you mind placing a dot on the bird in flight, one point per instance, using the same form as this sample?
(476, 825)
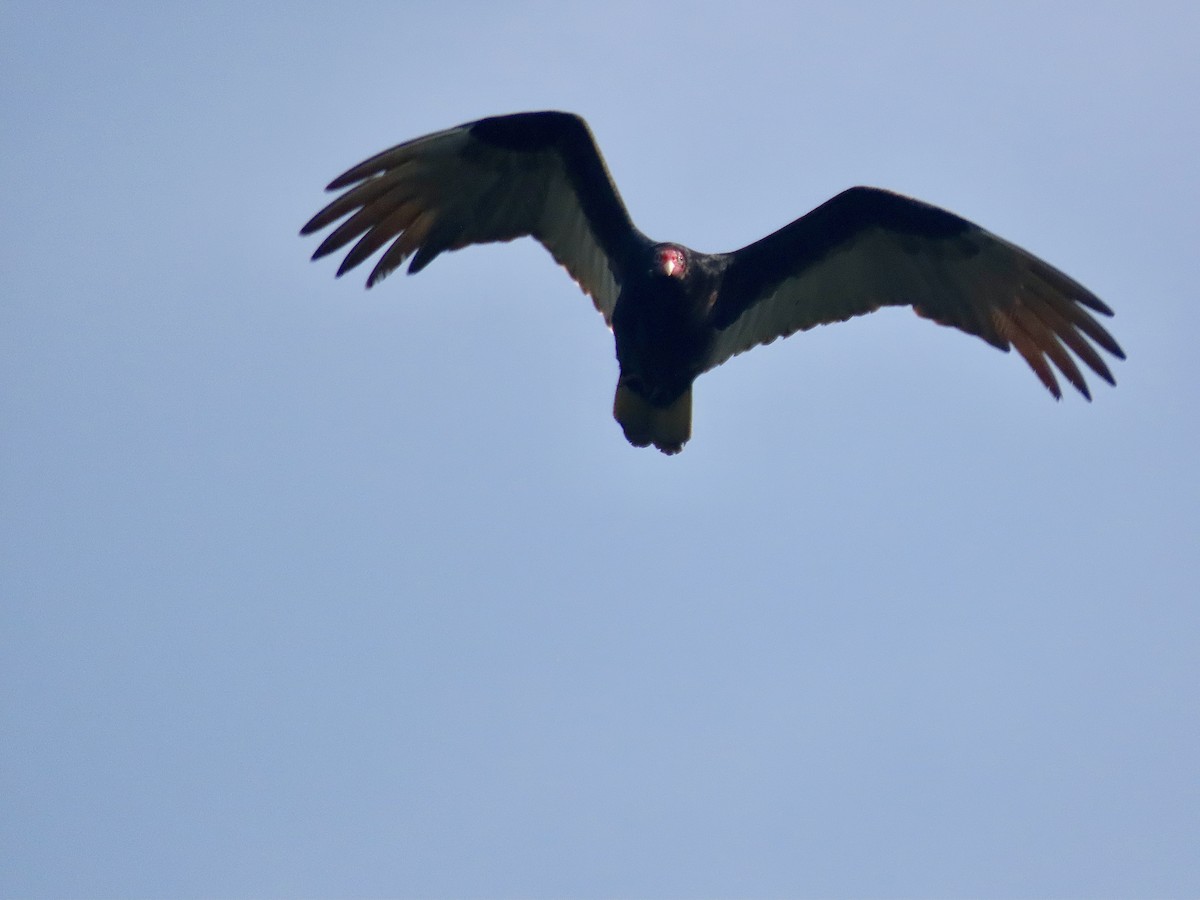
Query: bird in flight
(676, 313)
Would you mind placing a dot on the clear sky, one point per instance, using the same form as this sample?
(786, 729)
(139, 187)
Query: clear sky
(312, 591)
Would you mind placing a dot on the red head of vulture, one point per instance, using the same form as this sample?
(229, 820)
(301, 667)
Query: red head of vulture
(676, 313)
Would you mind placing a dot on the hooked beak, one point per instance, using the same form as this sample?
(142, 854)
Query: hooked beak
(669, 262)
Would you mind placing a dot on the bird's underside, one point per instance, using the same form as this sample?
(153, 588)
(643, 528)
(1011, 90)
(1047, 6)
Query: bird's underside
(676, 313)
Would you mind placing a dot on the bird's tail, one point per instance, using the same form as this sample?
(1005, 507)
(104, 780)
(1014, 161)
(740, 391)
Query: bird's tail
(667, 428)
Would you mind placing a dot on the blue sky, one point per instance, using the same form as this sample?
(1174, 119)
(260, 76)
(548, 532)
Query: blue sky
(313, 591)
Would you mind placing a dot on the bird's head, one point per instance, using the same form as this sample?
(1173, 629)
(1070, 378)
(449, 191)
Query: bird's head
(669, 261)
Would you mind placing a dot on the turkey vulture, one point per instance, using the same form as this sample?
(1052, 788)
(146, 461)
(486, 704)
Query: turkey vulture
(676, 313)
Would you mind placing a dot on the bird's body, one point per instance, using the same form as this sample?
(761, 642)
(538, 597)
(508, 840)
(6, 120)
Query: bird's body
(676, 313)
(664, 340)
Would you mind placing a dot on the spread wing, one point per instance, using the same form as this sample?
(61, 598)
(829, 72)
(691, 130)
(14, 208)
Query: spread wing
(868, 248)
(496, 179)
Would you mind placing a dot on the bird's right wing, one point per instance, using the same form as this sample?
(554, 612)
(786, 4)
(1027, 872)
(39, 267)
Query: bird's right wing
(496, 179)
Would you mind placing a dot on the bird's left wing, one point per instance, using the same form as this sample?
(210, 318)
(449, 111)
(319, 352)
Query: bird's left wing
(868, 248)
(495, 179)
